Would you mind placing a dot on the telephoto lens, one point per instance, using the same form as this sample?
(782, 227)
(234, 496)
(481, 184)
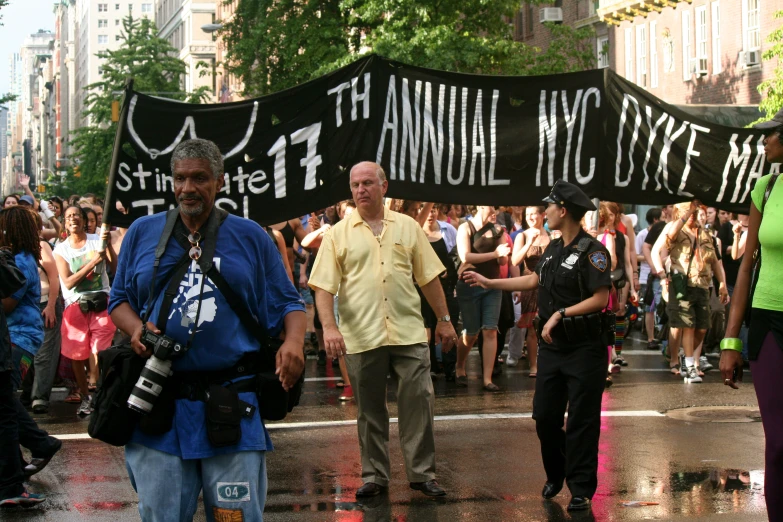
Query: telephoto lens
(150, 384)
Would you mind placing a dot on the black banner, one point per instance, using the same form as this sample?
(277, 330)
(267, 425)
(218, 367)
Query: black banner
(442, 137)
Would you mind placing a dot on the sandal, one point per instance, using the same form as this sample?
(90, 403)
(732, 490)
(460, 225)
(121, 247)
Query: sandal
(340, 384)
(92, 387)
(532, 375)
(675, 370)
(74, 398)
(462, 381)
(608, 381)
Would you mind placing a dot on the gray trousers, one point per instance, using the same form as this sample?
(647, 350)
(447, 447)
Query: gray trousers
(47, 359)
(411, 366)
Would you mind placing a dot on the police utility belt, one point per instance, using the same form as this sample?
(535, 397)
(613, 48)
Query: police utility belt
(596, 325)
(132, 392)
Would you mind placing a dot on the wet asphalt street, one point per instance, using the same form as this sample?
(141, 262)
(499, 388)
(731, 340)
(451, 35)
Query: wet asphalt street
(696, 451)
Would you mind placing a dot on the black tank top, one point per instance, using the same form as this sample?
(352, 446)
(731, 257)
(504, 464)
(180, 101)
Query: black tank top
(484, 245)
(619, 249)
(288, 235)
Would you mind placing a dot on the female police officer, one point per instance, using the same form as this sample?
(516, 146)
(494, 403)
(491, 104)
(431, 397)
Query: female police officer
(573, 292)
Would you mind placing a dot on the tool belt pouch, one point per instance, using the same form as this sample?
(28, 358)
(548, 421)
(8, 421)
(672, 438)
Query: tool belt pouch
(618, 278)
(274, 403)
(97, 302)
(608, 324)
(224, 416)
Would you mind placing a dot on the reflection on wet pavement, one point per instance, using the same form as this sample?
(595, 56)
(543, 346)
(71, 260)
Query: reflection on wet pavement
(490, 467)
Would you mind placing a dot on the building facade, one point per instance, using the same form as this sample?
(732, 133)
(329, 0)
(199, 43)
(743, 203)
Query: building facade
(64, 71)
(99, 26)
(684, 52)
(229, 87)
(180, 22)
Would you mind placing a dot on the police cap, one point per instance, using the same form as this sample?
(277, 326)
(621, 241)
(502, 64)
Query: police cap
(567, 194)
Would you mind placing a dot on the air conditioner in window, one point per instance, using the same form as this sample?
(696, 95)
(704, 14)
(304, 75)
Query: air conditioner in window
(700, 67)
(550, 14)
(752, 58)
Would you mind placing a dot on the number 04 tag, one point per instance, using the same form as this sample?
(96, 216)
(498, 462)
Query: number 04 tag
(233, 491)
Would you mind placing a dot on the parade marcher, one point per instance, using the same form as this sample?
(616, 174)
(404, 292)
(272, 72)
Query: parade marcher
(482, 248)
(765, 337)
(693, 264)
(528, 247)
(651, 285)
(86, 326)
(573, 284)
(169, 470)
(12, 490)
(371, 259)
(25, 325)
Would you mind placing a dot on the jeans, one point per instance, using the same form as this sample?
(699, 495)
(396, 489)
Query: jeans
(47, 358)
(168, 486)
(516, 337)
(40, 444)
(480, 307)
(10, 464)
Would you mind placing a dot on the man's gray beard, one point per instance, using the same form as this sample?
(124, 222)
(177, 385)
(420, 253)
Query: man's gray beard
(197, 211)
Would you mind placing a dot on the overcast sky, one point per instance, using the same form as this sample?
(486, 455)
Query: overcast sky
(20, 18)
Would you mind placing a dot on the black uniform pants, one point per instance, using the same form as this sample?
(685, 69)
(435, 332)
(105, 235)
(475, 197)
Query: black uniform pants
(575, 379)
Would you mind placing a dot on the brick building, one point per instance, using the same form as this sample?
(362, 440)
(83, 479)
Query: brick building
(689, 52)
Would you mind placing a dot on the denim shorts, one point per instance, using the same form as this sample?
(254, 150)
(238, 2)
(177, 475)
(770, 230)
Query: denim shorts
(480, 308)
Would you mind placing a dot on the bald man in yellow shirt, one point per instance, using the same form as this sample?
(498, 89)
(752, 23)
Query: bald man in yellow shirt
(372, 258)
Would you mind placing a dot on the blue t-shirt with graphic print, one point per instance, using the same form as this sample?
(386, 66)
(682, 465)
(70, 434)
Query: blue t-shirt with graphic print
(25, 323)
(253, 267)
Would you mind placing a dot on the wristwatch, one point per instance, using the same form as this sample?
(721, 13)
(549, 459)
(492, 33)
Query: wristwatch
(445, 319)
(562, 313)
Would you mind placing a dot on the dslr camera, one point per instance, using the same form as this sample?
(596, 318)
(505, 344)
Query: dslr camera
(155, 372)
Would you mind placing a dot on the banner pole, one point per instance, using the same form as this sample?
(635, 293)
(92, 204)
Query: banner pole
(115, 158)
(594, 224)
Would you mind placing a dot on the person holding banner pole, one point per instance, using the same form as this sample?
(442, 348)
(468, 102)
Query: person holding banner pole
(765, 297)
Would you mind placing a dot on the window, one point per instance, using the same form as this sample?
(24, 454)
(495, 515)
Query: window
(629, 54)
(641, 55)
(116, 7)
(102, 24)
(146, 8)
(116, 38)
(687, 44)
(701, 40)
(653, 54)
(117, 22)
(717, 57)
(102, 8)
(103, 39)
(530, 22)
(752, 21)
(602, 52)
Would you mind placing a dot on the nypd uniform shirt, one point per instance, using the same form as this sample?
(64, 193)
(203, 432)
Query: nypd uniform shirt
(252, 266)
(558, 281)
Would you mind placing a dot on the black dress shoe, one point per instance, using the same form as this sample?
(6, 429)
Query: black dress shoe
(551, 490)
(370, 489)
(579, 504)
(429, 488)
(37, 464)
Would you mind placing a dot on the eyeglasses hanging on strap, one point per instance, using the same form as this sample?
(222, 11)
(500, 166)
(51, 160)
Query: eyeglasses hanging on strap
(195, 250)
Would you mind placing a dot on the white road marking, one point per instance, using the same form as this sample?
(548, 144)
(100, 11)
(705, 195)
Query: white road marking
(468, 417)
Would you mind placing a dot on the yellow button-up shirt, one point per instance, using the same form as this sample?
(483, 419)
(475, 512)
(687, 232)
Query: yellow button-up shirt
(377, 301)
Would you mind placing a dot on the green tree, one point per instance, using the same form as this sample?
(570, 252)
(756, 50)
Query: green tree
(150, 61)
(472, 36)
(771, 90)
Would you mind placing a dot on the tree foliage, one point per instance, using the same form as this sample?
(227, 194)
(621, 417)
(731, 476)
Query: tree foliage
(150, 61)
(771, 90)
(3, 3)
(276, 44)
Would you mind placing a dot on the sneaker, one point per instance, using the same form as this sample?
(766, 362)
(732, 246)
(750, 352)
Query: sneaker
(619, 360)
(704, 364)
(683, 368)
(40, 406)
(85, 408)
(25, 499)
(691, 375)
(511, 361)
(614, 368)
(347, 394)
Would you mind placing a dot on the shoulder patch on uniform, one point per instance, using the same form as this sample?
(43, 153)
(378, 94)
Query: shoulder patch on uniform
(598, 260)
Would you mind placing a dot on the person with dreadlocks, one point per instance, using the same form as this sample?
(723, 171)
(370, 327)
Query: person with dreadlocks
(25, 325)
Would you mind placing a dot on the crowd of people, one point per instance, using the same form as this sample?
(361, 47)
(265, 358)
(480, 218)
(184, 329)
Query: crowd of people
(674, 278)
(75, 272)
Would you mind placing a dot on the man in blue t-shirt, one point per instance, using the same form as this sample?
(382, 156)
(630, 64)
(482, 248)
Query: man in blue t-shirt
(168, 471)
